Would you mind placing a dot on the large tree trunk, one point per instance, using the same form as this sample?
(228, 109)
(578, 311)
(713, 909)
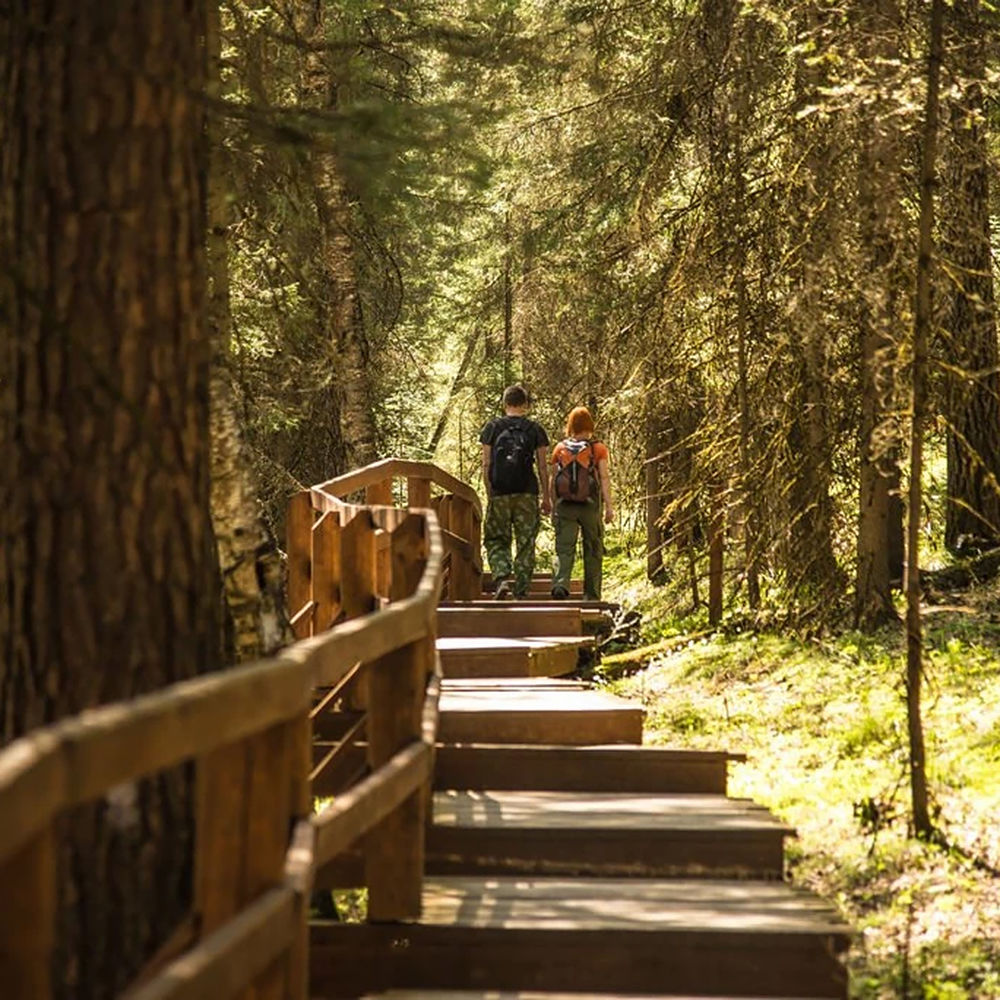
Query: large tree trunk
(811, 568)
(341, 298)
(879, 196)
(973, 405)
(922, 825)
(249, 561)
(108, 578)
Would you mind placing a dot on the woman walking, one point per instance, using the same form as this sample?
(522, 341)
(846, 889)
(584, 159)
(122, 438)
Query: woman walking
(579, 483)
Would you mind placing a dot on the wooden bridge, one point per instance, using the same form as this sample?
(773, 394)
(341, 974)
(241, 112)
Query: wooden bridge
(512, 834)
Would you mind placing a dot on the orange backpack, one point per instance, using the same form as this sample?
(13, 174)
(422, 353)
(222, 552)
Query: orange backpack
(576, 477)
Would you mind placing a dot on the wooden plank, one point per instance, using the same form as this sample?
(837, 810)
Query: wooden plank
(418, 492)
(551, 712)
(28, 918)
(388, 468)
(326, 570)
(220, 835)
(505, 657)
(233, 957)
(557, 768)
(394, 850)
(357, 548)
(379, 492)
(342, 822)
(594, 935)
(408, 555)
(604, 834)
(431, 994)
(500, 620)
(298, 546)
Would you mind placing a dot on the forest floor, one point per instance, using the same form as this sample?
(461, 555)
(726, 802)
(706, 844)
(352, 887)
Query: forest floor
(823, 724)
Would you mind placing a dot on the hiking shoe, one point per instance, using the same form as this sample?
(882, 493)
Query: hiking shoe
(504, 591)
(560, 593)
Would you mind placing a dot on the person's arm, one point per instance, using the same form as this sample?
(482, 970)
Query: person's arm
(605, 479)
(487, 451)
(542, 456)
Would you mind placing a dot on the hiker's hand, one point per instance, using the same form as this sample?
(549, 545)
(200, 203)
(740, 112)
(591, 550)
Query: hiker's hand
(546, 505)
(609, 514)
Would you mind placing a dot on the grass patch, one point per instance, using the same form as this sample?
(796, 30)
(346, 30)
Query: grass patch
(823, 723)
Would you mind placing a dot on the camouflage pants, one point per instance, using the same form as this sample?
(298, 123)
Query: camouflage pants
(515, 513)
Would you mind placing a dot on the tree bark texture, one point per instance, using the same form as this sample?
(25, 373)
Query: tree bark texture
(655, 538)
(108, 577)
(811, 566)
(249, 560)
(921, 327)
(341, 298)
(970, 343)
(879, 309)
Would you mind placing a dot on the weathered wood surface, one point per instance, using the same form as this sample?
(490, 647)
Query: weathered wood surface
(535, 710)
(604, 834)
(533, 995)
(500, 621)
(488, 657)
(559, 768)
(706, 937)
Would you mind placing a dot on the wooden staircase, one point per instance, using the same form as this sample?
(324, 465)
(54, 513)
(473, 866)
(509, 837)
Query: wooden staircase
(565, 858)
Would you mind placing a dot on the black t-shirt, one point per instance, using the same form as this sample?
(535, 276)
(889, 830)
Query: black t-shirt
(514, 442)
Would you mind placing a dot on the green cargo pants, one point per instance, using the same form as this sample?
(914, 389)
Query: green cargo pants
(569, 520)
(517, 513)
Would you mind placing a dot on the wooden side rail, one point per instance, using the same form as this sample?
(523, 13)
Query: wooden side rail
(338, 551)
(248, 733)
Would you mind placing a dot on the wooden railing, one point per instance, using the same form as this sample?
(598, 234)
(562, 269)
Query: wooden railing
(338, 562)
(248, 732)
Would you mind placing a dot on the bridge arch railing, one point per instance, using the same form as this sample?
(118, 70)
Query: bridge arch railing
(248, 733)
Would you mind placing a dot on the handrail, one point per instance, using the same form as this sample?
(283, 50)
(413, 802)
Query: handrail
(74, 761)
(336, 489)
(79, 759)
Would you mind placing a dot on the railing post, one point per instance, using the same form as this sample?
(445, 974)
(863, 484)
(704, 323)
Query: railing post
(28, 919)
(468, 581)
(379, 494)
(326, 570)
(298, 546)
(250, 793)
(418, 492)
(394, 850)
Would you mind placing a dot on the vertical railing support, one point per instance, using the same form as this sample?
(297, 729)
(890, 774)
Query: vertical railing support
(326, 570)
(394, 850)
(28, 919)
(298, 546)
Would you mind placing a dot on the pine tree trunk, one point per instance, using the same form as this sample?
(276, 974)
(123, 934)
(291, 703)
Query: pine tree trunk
(108, 576)
(812, 570)
(973, 408)
(341, 298)
(249, 560)
(922, 320)
(878, 317)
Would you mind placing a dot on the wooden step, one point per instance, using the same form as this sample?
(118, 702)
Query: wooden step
(595, 616)
(486, 656)
(590, 769)
(535, 710)
(536, 995)
(501, 618)
(702, 937)
(603, 833)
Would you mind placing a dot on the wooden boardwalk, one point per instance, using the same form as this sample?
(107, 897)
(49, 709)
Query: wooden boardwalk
(441, 750)
(562, 857)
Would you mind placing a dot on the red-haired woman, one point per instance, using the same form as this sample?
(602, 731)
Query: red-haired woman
(579, 482)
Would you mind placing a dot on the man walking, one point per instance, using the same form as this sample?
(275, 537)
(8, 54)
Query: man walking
(513, 448)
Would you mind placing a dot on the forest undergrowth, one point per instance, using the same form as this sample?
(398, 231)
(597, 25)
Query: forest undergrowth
(823, 724)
